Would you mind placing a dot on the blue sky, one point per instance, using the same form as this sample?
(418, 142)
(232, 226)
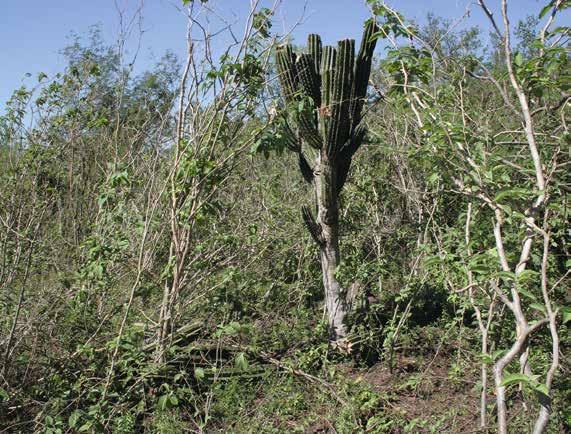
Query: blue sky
(32, 32)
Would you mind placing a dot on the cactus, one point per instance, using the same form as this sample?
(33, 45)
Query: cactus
(330, 85)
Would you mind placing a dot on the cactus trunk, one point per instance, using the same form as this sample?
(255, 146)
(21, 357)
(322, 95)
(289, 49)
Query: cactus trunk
(328, 220)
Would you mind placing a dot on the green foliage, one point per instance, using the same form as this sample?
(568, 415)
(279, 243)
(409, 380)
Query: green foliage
(262, 22)
(86, 191)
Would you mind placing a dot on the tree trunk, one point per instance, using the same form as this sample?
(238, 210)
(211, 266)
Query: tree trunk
(328, 220)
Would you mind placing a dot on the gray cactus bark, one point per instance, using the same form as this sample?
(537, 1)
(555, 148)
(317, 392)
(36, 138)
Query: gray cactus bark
(328, 220)
(332, 81)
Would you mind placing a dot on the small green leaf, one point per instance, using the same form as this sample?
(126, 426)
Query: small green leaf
(487, 359)
(163, 402)
(566, 313)
(432, 260)
(515, 378)
(496, 355)
(241, 362)
(480, 268)
(432, 179)
(546, 9)
(541, 388)
(507, 275)
(74, 418)
(527, 275)
(527, 294)
(199, 374)
(85, 427)
(538, 307)
(514, 193)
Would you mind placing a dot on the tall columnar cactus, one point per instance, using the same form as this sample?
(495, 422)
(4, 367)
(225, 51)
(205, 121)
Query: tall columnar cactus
(327, 86)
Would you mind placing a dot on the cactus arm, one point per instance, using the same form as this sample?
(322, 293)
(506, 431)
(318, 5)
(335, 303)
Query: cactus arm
(346, 156)
(292, 140)
(287, 73)
(353, 143)
(288, 76)
(308, 78)
(327, 72)
(313, 227)
(363, 64)
(315, 50)
(305, 168)
(342, 86)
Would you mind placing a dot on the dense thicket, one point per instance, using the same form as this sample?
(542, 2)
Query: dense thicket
(156, 274)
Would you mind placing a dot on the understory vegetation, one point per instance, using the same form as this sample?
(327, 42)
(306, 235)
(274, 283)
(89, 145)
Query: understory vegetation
(278, 236)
